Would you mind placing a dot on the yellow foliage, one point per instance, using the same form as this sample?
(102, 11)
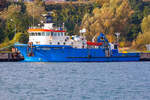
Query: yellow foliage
(96, 11)
(143, 38)
(35, 10)
(122, 44)
(110, 38)
(146, 24)
(11, 9)
(115, 3)
(107, 23)
(101, 2)
(112, 17)
(10, 43)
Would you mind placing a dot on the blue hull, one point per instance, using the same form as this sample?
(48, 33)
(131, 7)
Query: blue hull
(60, 53)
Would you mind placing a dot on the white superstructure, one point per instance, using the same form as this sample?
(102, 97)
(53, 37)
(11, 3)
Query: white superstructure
(49, 35)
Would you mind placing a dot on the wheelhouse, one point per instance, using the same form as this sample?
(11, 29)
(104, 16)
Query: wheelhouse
(45, 36)
(44, 32)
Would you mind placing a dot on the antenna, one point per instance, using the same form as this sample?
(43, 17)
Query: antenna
(117, 34)
(33, 15)
(82, 31)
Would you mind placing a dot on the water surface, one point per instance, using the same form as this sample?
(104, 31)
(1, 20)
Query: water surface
(75, 81)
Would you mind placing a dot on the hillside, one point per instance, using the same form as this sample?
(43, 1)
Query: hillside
(124, 16)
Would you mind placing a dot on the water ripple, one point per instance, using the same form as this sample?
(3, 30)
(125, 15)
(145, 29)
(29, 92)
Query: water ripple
(75, 81)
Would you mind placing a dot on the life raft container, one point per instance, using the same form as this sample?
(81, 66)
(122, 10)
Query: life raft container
(94, 43)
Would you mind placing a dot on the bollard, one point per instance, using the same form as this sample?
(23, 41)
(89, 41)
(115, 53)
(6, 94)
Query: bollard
(8, 56)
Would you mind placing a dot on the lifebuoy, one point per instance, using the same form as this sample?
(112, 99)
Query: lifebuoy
(30, 44)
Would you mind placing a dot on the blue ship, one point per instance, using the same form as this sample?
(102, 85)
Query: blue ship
(94, 52)
(51, 44)
(63, 53)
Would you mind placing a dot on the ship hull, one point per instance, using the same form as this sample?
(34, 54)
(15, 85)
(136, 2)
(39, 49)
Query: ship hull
(58, 53)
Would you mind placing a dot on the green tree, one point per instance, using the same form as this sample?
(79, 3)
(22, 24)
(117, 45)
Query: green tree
(146, 11)
(22, 38)
(17, 22)
(141, 9)
(69, 14)
(2, 35)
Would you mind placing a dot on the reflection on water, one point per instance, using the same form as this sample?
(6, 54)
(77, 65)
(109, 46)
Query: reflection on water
(75, 81)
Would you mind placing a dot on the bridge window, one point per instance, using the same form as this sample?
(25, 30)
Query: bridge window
(39, 34)
(35, 34)
(31, 34)
(59, 34)
(43, 33)
(52, 33)
(55, 33)
(47, 33)
(63, 34)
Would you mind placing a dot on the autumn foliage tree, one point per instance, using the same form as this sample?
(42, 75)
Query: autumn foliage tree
(144, 37)
(35, 9)
(112, 17)
(100, 2)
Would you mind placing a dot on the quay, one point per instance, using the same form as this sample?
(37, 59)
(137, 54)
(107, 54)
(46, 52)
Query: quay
(10, 57)
(14, 57)
(144, 56)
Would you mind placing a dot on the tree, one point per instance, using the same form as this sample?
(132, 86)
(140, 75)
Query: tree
(9, 11)
(145, 25)
(3, 4)
(35, 9)
(71, 15)
(23, 38)
(17, 22)
(1, 32)
(110, 18)
(101, 2)
(143, 38)
(141, 9)
(146, 11)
